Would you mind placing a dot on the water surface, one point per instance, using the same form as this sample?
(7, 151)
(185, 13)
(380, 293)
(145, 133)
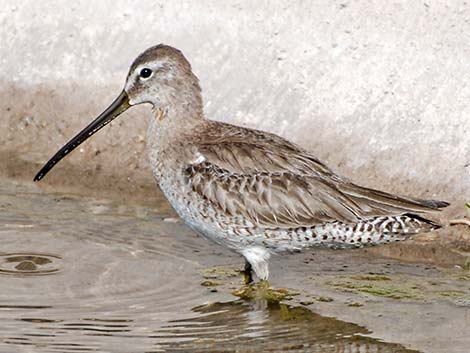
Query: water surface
(87, 275)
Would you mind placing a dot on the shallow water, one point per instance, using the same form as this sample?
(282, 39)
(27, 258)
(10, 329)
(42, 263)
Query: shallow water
(80, 274)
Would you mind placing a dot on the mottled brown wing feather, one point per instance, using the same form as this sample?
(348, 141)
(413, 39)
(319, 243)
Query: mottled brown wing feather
(272, 199)
(275, 183)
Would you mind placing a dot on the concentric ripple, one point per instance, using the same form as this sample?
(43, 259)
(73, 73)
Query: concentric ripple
(29, 264)
(120, 279)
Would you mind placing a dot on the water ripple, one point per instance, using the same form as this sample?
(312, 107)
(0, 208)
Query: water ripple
(29, 264)
(85, 275)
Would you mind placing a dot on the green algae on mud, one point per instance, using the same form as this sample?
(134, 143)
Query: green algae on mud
(208, 283)
(220, 272)
(254, 291)
(262, 290)
(314, 299)
(373, 285)
(403, 287)
(324, 299)
(371, 277)
(379, 284)
(451, 294)
(381, 291)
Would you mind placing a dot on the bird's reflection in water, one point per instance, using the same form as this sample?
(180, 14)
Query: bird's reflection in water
(261, 327)
(237, 326)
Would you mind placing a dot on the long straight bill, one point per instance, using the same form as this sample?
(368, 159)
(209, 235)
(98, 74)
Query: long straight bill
(120, 105)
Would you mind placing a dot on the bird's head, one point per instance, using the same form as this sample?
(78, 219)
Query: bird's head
(161, 76)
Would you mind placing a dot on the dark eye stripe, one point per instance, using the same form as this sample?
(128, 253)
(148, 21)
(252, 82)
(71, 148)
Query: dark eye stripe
(145, 72)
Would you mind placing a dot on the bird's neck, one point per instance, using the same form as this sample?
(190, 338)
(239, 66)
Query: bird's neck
(169, 121)
(170, 131)
(180, 107)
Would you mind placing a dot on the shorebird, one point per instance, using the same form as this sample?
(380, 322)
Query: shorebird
(248, 190)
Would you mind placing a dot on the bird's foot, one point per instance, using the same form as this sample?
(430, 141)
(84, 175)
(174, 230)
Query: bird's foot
(247, 273)
(247, 277)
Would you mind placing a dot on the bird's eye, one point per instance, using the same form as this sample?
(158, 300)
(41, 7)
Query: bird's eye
(145, 73)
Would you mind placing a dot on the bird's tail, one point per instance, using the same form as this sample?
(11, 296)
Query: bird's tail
(378, 203)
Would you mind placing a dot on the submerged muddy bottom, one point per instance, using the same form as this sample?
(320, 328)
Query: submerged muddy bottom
(80, 274)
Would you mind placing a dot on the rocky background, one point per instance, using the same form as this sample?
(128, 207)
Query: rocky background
(378, 90)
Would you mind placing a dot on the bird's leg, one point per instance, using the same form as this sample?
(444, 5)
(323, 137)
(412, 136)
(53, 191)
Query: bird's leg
(248, 273)
(257, 257)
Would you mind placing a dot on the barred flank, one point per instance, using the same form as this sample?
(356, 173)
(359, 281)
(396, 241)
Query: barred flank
(373, 231)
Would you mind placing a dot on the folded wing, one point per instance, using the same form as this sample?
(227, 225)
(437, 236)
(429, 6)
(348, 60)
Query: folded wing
(275, 183)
